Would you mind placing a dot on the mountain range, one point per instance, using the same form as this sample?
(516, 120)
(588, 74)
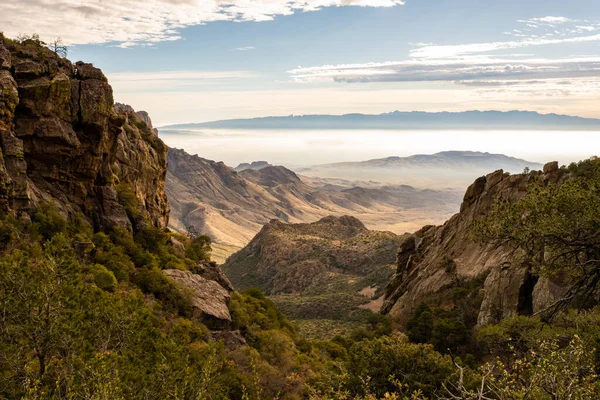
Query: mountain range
(455, 169)
(231, 207)
(482, 120)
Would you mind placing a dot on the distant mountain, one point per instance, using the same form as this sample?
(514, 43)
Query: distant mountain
(255, 165)
(484, 120)
(444, 169)
(446, 160)
(232, 207)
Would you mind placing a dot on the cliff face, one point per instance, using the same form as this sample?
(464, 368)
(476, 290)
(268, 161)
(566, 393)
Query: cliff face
(62, 140)
(436, 259)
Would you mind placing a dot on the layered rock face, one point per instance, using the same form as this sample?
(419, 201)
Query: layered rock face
(435, 259)
(63, 141)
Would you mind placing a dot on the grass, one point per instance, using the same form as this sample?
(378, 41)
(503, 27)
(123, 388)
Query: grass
(325, 329)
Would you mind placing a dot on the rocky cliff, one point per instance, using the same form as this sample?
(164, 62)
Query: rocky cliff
(437, 259)
(63, 141)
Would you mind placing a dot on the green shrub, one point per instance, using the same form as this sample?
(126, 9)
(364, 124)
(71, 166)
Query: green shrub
(199, 249)
(103, 278)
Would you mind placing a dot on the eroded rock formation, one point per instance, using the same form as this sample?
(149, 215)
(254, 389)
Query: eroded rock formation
(435, 259)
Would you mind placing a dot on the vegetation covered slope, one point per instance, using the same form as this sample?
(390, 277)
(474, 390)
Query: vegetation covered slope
(324, 272)
(89, 315)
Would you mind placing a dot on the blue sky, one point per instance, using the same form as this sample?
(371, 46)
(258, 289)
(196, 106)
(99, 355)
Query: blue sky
(200, 60)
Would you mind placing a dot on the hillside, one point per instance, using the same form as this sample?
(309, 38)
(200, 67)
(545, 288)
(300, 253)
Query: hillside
(455, 169)
(329, 271)
(232, 207)
(482, 120)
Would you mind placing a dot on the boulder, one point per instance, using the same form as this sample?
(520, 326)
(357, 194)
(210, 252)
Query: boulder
(210, 300)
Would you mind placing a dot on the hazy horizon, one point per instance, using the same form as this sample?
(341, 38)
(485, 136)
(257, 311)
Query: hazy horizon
(304, 148)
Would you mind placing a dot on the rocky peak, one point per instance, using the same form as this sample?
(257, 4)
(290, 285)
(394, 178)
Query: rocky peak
(255, 165)
(435, 259)
(62, 140)
(271, 176)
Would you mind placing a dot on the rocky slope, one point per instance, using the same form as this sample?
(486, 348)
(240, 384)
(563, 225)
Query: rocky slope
(325, 270)
(437, 259)
(62, 140)
(232, 207)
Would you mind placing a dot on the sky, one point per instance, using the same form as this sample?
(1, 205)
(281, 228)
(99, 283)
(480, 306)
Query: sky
(204, 60)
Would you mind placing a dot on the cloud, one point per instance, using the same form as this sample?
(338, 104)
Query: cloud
(246, 48)
(124, 82)
(474, 48)
(551, 20)
(482, 65)
(129, 22)
(468, 69)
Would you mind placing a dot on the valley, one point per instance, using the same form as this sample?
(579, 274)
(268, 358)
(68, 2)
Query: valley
(231, 207)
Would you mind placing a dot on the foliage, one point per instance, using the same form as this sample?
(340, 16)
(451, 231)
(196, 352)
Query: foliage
(549, 371)
(91, 315)
(199, 248)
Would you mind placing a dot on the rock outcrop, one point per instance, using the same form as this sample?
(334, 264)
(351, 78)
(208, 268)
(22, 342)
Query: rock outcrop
(435, 259)
(210, 300)
(63, 141)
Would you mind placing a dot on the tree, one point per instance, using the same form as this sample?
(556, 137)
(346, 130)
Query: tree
(547, 372)
(420, 325)
(59, 47)
(35, 37)
(192, 232)
(556, 229)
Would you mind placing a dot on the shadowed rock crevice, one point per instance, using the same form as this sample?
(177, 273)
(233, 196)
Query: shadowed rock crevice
(525, 304)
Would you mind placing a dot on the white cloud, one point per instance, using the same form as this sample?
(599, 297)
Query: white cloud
(475, 68)
(246, 48)
(130, 22)
(489, 70)
(125, 82)
(551, 20)
(448, 51)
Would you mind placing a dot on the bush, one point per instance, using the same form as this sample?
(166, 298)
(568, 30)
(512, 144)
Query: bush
(415, 366)
(199, 249)
(103, 278)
